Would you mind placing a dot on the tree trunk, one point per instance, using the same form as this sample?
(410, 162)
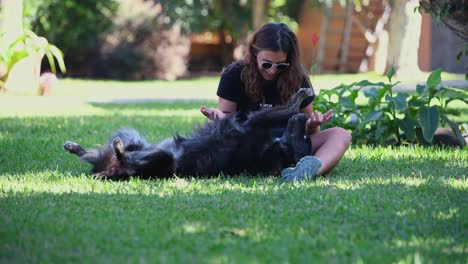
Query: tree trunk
(404, 33)
(11, 21)
(260, 8)
(23, 77)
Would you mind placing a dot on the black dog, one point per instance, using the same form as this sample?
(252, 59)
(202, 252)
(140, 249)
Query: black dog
(236, 144)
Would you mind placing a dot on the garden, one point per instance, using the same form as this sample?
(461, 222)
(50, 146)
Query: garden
(382, 203)
(398, 195)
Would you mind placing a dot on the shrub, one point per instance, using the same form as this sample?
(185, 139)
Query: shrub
(392, 118)
(77, 27)
(142, 46)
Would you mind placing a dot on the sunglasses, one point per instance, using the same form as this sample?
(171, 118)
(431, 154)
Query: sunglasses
(279, 66)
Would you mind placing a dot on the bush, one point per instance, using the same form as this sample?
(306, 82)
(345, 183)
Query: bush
(118, 39)
(392, 118)
(76, 27)
(142, 46)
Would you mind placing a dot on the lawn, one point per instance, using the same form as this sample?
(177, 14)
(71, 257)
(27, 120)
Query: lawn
(405, 204)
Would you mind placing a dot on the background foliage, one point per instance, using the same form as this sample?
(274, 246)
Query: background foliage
(76, 27)
(384, 117)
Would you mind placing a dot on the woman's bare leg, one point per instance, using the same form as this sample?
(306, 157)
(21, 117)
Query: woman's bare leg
(329, 146)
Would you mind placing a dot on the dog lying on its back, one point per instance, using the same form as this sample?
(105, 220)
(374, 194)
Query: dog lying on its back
(236, 144)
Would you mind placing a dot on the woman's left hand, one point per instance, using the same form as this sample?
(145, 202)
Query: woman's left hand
(317, 119)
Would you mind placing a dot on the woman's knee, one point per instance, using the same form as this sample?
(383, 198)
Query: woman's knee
(341, 135)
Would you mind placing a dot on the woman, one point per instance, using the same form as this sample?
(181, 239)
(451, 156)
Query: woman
(269, 75)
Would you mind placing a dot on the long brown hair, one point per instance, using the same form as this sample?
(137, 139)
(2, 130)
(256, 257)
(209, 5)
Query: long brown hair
(273, 37)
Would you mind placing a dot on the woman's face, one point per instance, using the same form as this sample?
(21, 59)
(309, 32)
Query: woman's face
(275, 61)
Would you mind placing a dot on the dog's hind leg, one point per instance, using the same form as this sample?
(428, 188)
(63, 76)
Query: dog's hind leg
(279, 115)
(295, 135)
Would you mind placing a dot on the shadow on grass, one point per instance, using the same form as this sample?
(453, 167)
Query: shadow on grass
(122, 105)
(224, 222)
(33, 145)
(30, 145)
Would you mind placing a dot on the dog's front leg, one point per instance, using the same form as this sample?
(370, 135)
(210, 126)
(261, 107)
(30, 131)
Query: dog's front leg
(74, 148)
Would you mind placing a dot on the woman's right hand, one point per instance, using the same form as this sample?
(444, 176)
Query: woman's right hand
(212, 113)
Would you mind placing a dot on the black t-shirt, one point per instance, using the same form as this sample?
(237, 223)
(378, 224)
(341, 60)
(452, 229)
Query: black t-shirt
(232, 88)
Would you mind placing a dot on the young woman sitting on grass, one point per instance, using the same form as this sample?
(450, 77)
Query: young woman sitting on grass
(269, 75)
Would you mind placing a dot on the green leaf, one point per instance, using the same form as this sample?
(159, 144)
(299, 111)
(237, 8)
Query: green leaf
(313, 68)
(372, 116)
(407, 125)
(376, 93)
(459, 56)
(390, 73)
(453, 94)
(16, 57)
(429, 121)
(50, 58)
(354, 94)
(364, 83)
(434, 79)
(58, 56)
(399, 100)
(346, 102)
(371, 93)
(420, 88)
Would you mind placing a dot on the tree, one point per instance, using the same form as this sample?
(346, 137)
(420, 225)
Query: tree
(77, 27)
(404, 32)
(453, 13)
(230, 20)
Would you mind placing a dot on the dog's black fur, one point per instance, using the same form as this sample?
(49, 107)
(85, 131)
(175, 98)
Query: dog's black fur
(236, 144)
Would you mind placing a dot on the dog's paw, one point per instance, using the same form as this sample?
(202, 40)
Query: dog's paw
(71, 147)
(118, 145)
(119, 148)
(101, 176)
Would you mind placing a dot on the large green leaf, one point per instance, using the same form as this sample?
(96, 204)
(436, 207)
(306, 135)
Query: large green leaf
(429, 121)
(376, 93)
(407, 125)
(399, 100)
(57, 53)
(453, 94)
(371, 93)
(372, 116)
(434, 79)
(390, 73)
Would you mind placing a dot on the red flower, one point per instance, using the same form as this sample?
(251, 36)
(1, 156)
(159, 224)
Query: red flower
(314, 38)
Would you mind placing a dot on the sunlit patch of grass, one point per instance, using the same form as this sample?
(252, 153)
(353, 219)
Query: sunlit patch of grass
(379, 204)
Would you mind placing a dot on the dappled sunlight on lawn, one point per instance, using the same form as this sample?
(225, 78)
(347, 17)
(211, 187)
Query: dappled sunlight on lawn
(68, 107)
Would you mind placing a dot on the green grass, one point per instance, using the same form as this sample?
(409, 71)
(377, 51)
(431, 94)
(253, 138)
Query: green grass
(202, 88)
(386, 205)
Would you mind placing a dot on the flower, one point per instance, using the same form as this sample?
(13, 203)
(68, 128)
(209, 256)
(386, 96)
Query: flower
(314, 38)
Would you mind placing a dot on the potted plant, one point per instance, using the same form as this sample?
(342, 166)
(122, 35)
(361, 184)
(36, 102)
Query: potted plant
(20, 63)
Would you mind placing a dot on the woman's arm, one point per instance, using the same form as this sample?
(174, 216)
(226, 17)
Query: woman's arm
(224, 107)
(315, 119)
